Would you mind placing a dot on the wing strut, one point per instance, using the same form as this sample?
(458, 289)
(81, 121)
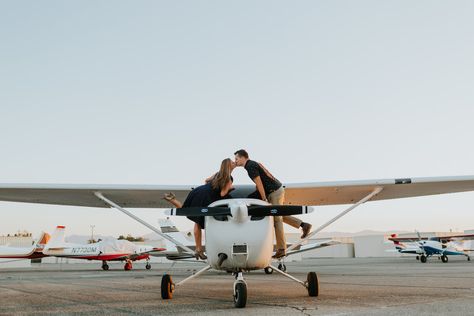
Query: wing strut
(376, 191)
(153, 228)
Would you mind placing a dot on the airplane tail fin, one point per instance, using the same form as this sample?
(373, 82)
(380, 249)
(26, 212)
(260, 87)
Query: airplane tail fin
(398, 245)
(167, 227)
(58, 237)
(43, 240)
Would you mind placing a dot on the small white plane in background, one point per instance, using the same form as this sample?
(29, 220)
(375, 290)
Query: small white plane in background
(174, 252)
(239, 231)
(33, 252)
(424, 247)
(105, 250)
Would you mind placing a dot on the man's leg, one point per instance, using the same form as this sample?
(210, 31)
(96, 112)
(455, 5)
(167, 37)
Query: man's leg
(292, 221)
(278, 198)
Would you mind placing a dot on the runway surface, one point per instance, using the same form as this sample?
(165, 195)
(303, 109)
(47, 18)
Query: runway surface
(389, 286)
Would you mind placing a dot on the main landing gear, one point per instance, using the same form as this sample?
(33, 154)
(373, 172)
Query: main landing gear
(240, 286)
(105, 266)
(128, 265)
(444, 258)
(148, 265)
(423, 258)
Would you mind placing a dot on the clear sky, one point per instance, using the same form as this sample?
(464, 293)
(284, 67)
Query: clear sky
(159, 92)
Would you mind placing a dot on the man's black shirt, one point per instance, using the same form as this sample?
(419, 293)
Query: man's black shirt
(255, 169)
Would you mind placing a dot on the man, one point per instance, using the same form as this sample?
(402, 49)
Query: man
(271, 190)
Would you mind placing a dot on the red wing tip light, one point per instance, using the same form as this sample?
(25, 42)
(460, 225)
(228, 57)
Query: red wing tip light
(61, 227)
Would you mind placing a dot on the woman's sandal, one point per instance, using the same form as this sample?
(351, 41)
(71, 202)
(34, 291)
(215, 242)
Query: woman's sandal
(199, 254)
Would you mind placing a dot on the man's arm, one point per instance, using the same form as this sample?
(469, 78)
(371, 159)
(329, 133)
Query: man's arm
(260, 189)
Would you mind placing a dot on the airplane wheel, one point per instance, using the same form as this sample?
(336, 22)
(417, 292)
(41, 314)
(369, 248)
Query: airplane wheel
(148, 266)
(127, 266)
(417, 257)
(444, 258)
(166, 287)
(268, 270)
(282, 267)
(240, 296)
(313, 284)
(105, 267)
(423, 258)
(468, 258)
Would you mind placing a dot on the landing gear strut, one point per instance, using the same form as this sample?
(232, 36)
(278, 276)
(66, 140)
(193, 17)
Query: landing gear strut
(105, 266)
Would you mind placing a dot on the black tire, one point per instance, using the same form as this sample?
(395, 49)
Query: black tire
(166, 287)
(148, 266)
(417, 257)
(468, 258)
(313, 284)
(444, 258)
(105, 267)
(282, 267)
(423, 258)
(268, 270)
(240, 296)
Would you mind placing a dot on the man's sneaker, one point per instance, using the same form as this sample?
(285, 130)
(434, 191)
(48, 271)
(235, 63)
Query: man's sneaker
(306, 227)
(279, 253)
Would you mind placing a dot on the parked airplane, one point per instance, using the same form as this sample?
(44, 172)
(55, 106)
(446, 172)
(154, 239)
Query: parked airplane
(239, 231)
(105, 250)
(174, 252)
(35, 251)
(424, 248)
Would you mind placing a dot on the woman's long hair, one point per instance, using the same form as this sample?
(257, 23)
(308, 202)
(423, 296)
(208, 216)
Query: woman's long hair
(221, 178)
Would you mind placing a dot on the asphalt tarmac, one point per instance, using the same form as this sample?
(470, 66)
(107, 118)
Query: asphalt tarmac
(372, 286)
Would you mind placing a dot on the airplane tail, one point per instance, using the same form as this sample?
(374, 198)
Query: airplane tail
(58, 237)
(398, 245)
(168, 228)
(43, 240)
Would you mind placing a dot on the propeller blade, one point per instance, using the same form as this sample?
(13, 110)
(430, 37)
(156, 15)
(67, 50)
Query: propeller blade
(199, 211)
(278, 210)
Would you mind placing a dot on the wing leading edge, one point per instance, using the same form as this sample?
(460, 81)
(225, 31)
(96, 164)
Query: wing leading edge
(150, 196)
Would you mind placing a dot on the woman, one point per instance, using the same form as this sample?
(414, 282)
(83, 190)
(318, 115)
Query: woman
(216, 188)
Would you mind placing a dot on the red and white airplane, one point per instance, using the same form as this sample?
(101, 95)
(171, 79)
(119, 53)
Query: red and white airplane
(105, 250)
(239, 231)
(33, 252)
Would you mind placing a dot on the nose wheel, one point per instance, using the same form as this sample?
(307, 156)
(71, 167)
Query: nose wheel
(240, 291)
(282, 267)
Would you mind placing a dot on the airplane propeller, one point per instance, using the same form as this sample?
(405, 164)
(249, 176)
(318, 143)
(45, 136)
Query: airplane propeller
(199, 211)
(278, 210)
(267, 210)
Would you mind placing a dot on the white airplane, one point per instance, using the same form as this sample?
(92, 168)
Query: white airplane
(239, 231)
(105, 250)
(424, 248)
(35, 251)
(174, 252)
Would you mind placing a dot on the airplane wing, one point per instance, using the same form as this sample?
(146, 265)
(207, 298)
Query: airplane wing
(150, 196)
(313, 246)
(457, 237)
